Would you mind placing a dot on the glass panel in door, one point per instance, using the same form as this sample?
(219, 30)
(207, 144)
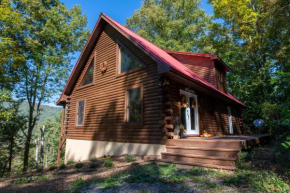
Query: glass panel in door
(192, 106)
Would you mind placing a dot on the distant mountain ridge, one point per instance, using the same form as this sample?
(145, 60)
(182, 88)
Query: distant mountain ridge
(45, 113)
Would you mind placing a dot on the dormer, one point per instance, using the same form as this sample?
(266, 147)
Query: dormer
(208, 66)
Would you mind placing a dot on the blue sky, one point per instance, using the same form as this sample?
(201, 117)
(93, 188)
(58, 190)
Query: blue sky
(119, 10)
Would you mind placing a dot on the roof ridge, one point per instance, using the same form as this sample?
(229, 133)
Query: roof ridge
(190, 53)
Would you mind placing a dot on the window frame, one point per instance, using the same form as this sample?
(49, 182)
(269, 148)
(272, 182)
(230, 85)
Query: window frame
(118, 55)
(126, 109)
(77, 108)
(90, 61)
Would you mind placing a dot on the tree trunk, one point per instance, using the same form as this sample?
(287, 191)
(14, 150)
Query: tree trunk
(4, 168)
(31, 125)
(26, 150)
(42, 145)
(36, 152)
(10, 154)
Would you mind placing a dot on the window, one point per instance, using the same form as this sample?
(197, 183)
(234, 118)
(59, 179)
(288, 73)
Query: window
(126, 61)
(221, 78)
(230, 120)
(134, 105)
(80, 113)
(89, 76)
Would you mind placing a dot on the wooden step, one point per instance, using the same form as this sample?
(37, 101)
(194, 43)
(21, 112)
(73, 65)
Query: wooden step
(215, 160)
(197, 164)
(228, 144)
(188, 136)
(220, 152)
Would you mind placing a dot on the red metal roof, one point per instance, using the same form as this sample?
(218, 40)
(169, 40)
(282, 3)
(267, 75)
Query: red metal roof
(211, 56)
(160, 55)
(192, 53)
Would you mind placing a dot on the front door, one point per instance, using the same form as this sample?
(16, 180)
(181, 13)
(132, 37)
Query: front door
(189, 112)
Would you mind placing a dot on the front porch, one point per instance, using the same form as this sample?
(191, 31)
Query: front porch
(215, 152)
(246, 141)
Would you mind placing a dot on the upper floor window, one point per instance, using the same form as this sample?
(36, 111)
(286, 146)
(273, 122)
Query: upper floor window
(221, 78)
(89, 76)
(80, 113)
(126, 60)
(134, 105)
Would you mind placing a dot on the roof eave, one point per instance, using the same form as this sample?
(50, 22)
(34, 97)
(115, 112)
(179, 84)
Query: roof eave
(223, 95)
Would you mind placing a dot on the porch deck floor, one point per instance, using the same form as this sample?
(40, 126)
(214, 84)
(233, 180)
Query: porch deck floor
(232, 137)
(246, 140)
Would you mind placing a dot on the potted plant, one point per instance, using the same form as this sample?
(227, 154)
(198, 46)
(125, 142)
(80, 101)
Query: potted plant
(182, 131)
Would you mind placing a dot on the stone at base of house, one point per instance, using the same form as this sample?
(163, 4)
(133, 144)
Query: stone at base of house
(80, 150)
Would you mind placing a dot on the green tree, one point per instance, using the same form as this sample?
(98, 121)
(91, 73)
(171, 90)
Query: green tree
(10, 139)
(174, 25)
(11, 55)
(254, 40)
(51, 34)
(51, 138)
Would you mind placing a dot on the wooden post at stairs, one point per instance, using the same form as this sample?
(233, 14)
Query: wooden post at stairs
(60, 143)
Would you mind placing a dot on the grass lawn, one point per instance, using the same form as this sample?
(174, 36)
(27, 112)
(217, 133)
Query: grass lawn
(263, 169)
(194, 179)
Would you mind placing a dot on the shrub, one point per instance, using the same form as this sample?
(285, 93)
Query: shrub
(51, 168)
(108, 163)
(130, 158)
(109, 183)
(39, 169)
(61, 167)
(167, 170)
(79, 182)
(93, 159)
(242, 160)
(70, 162)
(20, 181)
(39, 178)
(30, 179)
(79, 165)
(93, 165)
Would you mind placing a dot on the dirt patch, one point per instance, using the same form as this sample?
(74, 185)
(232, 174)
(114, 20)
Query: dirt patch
(61, 180)
(143, 175)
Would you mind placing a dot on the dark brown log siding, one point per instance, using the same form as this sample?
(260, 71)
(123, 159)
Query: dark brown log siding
(213, 115)
(105, 98)
(202, 66)
(221, 85)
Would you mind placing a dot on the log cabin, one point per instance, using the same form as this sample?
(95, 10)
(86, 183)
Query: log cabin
(125, 95)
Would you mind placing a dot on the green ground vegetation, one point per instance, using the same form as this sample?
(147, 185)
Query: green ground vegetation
(251, 174)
